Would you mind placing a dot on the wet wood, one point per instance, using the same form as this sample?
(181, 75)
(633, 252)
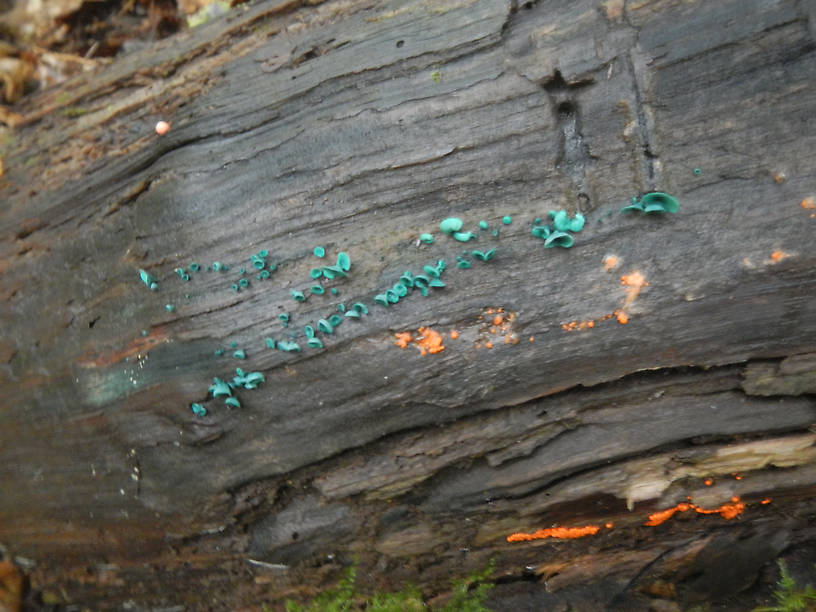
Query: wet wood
(358, 126)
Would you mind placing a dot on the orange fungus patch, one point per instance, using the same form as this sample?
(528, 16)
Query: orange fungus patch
(708, 482)
(766, 501)
(778, 255)
(559, 533)
(727, 511)
(454, 334)
(809, 203)
(403, 339)
(610, 262)
(633, 283)
(427, 340)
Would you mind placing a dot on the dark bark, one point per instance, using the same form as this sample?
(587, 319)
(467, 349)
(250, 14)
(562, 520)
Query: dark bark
(357, 127)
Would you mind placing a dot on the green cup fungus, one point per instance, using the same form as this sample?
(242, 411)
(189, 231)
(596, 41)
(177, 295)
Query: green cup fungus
(393, 296)
(559, 239)
(486, 256)
(239, 354)
(654, 202)
(149, 280)
(341, 307)
(332, 272)
(450, 225)
(315, 343)
(557, 233)
(288, 347)
(309, 331)
(232, 402)
(315, 273)
(219, 388)
(284, 318)
(483, 225)
(169, 307)
(263, 275)
(335, 291)
(317, 289)
(426, 238)
(194, 267)
(235, 287)
(335, 320)
(344, 261)
(464, 236)
(507, 219)
(198, 409)
(244, 283)
(324, 326)
(352, 313)
(270, 343)
(297, 295)
(463, 264)
(218, 352)
(400, 289)
(360, 308)
(319, 251)
(381, 299)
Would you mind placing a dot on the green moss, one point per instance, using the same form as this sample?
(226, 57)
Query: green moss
(789, 596)
(468, 595)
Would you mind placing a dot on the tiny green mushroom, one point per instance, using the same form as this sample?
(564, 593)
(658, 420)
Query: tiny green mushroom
(697, 172)
(270, 343)
(435, 282)
(169, 307)
(341, 307)
(263, 253)
(297, 295)
(426, 238)
(324, 326)
(463, 264)
(149, 280)
(352, 313)
(400, 289)
(407, 279)
(218, 352)
(335, 320)
(232, 402)
(495, 233)
(541, 231)
(315, 342)
(317, 289)
(217, 266)
(239, 354)
(284, 318)
(577, 223)
(315, 273)
(463, 236)
(483, 225)
(344, 261)
(335, 291)
(659, 202)
(244, 282)
(235, 287)
(484, 256)
(198, 409)
(360, 308)
(451, 225)
(253, 379)
(431, 271)
(381, 299)
(289, 347)
(560, 239)
(331, 272)
(319, 251)
(263, 274)
(309, 331)
(507, 219)
(219, 388)
(194, 267)
(392, 296)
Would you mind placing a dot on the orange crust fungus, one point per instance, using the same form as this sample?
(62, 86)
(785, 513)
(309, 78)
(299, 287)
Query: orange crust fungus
(559, 533)
(727, 511)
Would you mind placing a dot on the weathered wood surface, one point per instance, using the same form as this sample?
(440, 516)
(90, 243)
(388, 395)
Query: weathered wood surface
(357, 126)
